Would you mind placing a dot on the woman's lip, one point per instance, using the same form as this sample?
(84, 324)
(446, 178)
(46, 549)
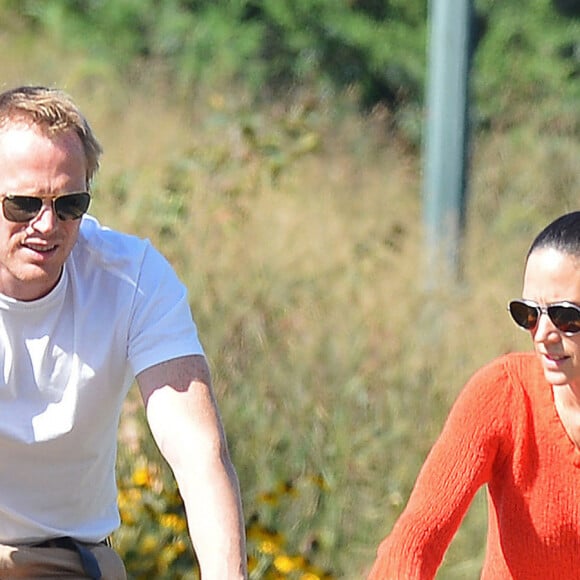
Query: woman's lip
(554, 359)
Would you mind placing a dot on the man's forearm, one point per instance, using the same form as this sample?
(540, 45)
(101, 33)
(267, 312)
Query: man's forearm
(216, 525)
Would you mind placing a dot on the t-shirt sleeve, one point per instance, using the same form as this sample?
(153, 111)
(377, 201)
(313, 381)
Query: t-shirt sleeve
(161, 327)
(476, 436)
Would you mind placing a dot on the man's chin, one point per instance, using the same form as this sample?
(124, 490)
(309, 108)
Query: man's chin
(32, 282)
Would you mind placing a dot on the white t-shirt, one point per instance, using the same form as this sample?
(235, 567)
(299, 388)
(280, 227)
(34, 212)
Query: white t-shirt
(67, 361)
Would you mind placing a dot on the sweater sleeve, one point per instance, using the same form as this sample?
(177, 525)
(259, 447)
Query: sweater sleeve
(476, 436)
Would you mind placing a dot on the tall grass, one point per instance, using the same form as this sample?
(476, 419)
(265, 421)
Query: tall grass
(298, 230)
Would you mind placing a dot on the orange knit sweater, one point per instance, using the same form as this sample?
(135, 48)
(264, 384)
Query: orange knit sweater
(503, 431)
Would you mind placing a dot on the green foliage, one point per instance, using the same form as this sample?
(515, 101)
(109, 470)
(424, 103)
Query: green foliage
(279, 511)
(282, 536)
(269, 44)
(109, 28)
(380, 51)
(194, 44)
(528, 52)
(153, 538)
(528, 57)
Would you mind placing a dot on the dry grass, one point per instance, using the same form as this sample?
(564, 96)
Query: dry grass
(298, 231)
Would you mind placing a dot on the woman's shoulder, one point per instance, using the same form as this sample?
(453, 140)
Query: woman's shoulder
(506, 384)
(504, 379)
(512, 365)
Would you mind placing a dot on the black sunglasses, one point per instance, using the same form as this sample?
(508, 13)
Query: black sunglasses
(23, 208)
(565, 316)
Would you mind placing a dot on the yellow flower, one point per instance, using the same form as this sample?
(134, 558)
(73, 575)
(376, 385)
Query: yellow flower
(258, 532)
(283, 564)
(128, 497)
(287, 564)
(319, 481)
(287, 488)
(174, 522)
(122, 502)
(268, 547)
(180, 546)
(149, 544)
(269, 498)
(252, 563)
(174, 499)
(141, 477)
(127, 518)
(166, 557)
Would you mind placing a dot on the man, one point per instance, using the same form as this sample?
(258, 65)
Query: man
(83, 311)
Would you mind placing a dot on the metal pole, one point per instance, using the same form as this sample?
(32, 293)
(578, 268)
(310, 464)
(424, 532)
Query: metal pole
(446, 136)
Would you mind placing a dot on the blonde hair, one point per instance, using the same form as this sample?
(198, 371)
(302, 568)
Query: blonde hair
(53, 111)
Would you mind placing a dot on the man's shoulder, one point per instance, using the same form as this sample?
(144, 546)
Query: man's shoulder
(102, 250)
(105, 246)
(102, 255)
(94, 237)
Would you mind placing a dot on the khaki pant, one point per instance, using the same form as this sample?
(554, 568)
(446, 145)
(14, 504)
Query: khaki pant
(36, 563)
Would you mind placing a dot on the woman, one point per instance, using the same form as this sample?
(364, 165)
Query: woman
(516, 428)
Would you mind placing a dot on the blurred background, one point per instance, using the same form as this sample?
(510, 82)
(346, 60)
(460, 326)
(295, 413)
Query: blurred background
(273, 151)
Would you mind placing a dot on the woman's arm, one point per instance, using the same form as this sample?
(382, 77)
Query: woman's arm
(474, 437)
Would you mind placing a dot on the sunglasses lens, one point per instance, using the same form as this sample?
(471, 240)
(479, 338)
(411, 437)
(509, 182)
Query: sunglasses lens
(73, 206)
(21, 208)
(565, 318)
(523, 314)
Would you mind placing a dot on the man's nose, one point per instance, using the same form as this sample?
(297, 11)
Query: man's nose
(46, 218)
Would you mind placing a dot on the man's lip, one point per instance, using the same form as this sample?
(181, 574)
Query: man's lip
(43, 248)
